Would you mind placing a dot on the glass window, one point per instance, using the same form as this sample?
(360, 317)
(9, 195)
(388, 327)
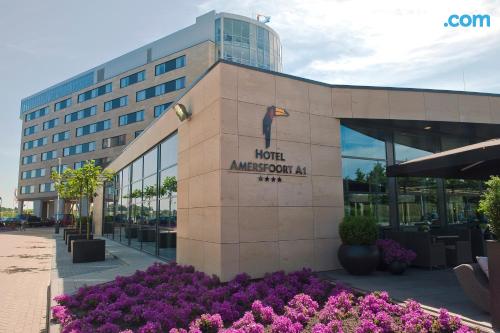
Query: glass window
(132, 79)
(170, 65)
(114, 141)
(62, 104)
(79, 149)
(137, 170)
(49, 155)
(160, 109)
(462, 200)
(417, 201)
(365, 189)
(116, 103)
(160, 89)
(131, 118)
(60, 136)
(96, 92)
(61, 90)
(150, 162)
(169, 152)
(29, 159)
(357, 144)
(93, 128)
(50, 124)
(31, 130)
(82, 114)
(37, 114)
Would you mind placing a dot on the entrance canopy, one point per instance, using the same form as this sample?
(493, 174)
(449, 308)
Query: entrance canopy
(477, 161)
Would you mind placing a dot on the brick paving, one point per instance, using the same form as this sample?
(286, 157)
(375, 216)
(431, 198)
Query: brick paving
(66, 277)
(25, 263)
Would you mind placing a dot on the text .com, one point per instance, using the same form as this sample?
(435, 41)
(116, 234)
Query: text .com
(468, 21)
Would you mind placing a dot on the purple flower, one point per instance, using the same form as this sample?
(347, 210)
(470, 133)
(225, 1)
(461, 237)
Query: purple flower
(393, 251)
(207, 323)
(301, 308)
(282, 324)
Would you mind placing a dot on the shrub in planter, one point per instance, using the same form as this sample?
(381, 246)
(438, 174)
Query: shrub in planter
(395, 256)
(489, 205)
(358, 253)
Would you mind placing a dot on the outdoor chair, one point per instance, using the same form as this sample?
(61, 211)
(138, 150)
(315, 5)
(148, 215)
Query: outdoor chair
(475, 284)
(429, 253)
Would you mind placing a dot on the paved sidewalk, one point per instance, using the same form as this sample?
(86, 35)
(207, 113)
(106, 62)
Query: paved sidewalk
(25, 261)
(66, 277)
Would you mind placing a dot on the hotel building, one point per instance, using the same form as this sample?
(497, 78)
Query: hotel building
(94, 115)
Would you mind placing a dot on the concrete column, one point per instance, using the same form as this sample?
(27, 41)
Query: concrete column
(58, 208)
(37, 208)
(20, 206)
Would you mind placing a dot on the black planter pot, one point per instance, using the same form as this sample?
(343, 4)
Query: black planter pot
(69, 232)
(56, 229)
(493, 248)
(88, 250)
(73, 237)
(397, 267)
(359, 259)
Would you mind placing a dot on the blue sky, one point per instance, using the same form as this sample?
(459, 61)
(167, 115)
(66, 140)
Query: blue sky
(386, 42)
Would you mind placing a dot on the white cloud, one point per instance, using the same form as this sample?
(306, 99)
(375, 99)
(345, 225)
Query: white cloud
(385, 42)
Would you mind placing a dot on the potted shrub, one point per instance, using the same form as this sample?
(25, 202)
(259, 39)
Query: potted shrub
(396, 257)
(489, 205)
(358, 253)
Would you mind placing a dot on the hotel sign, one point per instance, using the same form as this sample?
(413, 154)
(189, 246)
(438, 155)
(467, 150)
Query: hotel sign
(269, 162)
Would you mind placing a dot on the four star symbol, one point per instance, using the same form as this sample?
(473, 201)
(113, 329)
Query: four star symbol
(267, 179)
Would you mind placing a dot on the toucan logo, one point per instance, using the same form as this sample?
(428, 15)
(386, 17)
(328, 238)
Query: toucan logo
(272, 112)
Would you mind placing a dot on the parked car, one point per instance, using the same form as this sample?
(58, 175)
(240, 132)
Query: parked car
(66, 219)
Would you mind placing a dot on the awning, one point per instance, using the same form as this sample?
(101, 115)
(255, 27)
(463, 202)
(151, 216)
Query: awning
(477, 161)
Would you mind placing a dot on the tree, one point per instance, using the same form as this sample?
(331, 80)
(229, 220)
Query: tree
(75, 185)
(67, 188)
(91, 177)
(168, 188)
(489, 204)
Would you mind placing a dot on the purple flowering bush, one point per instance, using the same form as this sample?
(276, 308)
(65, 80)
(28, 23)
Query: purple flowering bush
(393, 251)
(177, 299)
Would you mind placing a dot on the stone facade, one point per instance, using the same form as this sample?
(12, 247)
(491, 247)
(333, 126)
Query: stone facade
(232, 221)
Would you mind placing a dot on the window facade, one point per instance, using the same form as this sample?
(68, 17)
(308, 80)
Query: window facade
(160, 89)
(37, 114)
(93, 128)
(408, 203)
(47, 187)
(247, 43)
(35, 173)
(29, 159)
(49, 155)
(137, 133)
(62, 104)
(132, 79)
(160, 109)
(28, 189)
(79, 149)
(55, 167)
(131, 118)
(102, 162)
(61, 90)
(114, 141)
(96, 92)
(61, 136)
(50, 124)
(82, 114)
(138, 202)
(31, 130)
(170, 65)
(116, 103)
(35, 143)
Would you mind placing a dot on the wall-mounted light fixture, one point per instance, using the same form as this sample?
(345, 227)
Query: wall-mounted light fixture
(181, 112)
